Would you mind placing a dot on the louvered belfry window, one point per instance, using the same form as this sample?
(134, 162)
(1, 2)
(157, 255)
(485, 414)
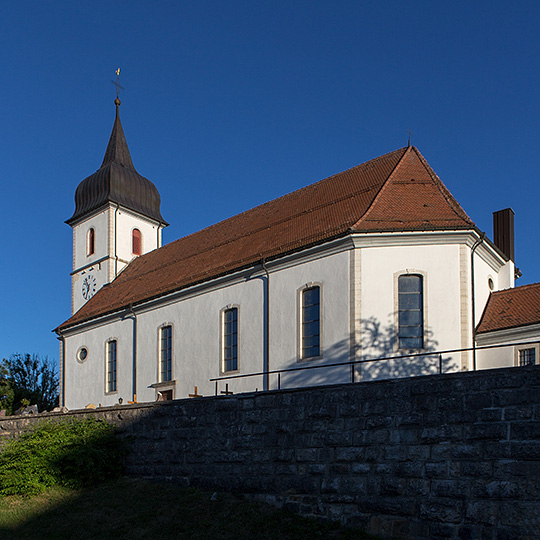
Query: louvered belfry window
(91, 242)
(136, 242)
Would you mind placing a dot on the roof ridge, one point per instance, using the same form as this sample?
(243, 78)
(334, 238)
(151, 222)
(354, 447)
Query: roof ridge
(290, 217)
(442, 188)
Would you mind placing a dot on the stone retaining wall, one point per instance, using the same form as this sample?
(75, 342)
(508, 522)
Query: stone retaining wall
(451, 456)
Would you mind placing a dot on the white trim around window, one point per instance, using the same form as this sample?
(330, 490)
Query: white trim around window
(309, 302)
(423, 314)
(111, 366)
(526, 354)
(165, 353)
(229, 339)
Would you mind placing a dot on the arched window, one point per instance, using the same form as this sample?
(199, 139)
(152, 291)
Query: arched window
(90, 242)
(410, 311)
(111, 365)
(136, 242)
(165, 354)
(230, 339)
(310, 323)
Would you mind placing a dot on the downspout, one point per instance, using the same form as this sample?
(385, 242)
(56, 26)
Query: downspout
(477, 243)
(62, 396)
(266, 359)
(130, 310)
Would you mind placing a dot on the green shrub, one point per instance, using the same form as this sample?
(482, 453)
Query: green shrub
(73, 453)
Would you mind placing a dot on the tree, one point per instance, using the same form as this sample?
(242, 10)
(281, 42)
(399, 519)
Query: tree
(6, 391)
(33, 378)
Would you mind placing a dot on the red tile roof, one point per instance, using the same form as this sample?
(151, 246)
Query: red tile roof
(511, 308)
(395, 192)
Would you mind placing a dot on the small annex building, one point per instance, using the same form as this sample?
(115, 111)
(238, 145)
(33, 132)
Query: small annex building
(376, 261)
(510, 316)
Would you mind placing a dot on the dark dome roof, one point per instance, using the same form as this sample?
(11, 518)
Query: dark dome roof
(117, 181)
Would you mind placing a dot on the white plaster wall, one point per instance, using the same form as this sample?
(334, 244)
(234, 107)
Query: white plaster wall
(85, 382)
(126, 222)
(196, 324)
(439, 264)
(99, 271)
(332, 274)
(100, 223)
(506, 356)
(196, 340)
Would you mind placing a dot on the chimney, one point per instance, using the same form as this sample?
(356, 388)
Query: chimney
(503, 231)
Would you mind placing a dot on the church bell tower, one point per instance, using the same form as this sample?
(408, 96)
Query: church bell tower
(117, 217)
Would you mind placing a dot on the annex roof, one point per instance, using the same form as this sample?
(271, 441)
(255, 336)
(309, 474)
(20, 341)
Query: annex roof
(395, 192)
(511, 308)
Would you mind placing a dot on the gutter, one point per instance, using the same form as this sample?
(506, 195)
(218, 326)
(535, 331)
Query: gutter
(266, 357)
(473, 249)
(62, 396)
(134, 370)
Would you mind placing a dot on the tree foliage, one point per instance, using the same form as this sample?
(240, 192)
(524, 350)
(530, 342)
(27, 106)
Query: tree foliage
(6, 391)
(72, 453)
(31, 378)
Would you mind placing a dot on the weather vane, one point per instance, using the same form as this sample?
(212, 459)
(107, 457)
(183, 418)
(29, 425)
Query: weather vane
(117, 83)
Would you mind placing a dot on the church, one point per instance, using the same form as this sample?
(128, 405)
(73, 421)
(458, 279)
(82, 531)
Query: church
(315, 287)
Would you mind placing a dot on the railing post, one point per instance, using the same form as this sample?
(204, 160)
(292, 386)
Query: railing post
(279, 381)
(440, 364)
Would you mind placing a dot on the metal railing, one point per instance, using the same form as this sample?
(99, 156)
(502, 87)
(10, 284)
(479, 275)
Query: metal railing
(353, 363)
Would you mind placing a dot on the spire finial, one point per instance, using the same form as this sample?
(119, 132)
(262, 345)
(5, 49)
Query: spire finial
(118, 87)
(409, 141)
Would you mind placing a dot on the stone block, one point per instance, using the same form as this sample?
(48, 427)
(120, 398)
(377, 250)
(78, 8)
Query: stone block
(492, 431)
(458, 489)
(442, 510)
(306, 454)
(418, 452)
(525, 431)
(519, 412)
(476, 469)
(410, 469)
(496, 489)
(482, 512)
(350, 453)
(491, 415)
(525, 450)
(436, 470)
(442, 530)
(360, 468)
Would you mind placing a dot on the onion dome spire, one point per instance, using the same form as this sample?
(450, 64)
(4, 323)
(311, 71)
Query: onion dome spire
(117, 181)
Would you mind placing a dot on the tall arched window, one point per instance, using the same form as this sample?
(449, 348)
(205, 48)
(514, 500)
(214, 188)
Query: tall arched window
(136, 242)
(310, 323)
(410, 311)
(230, 339)
(165, 354)
(90, 241)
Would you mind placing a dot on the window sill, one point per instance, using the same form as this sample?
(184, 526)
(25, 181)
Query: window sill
(164, 384)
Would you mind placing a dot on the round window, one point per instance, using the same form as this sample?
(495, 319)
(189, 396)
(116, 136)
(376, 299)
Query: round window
(490, 284)
(82, 354)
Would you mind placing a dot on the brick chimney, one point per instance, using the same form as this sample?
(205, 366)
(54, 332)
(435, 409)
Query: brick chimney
(503, 231)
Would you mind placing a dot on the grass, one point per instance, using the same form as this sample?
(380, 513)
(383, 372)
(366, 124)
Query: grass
(135, 509)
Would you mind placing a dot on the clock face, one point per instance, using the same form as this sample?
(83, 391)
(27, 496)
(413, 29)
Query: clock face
(88, 286)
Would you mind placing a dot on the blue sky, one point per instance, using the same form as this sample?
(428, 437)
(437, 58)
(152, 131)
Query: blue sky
(229, 104)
